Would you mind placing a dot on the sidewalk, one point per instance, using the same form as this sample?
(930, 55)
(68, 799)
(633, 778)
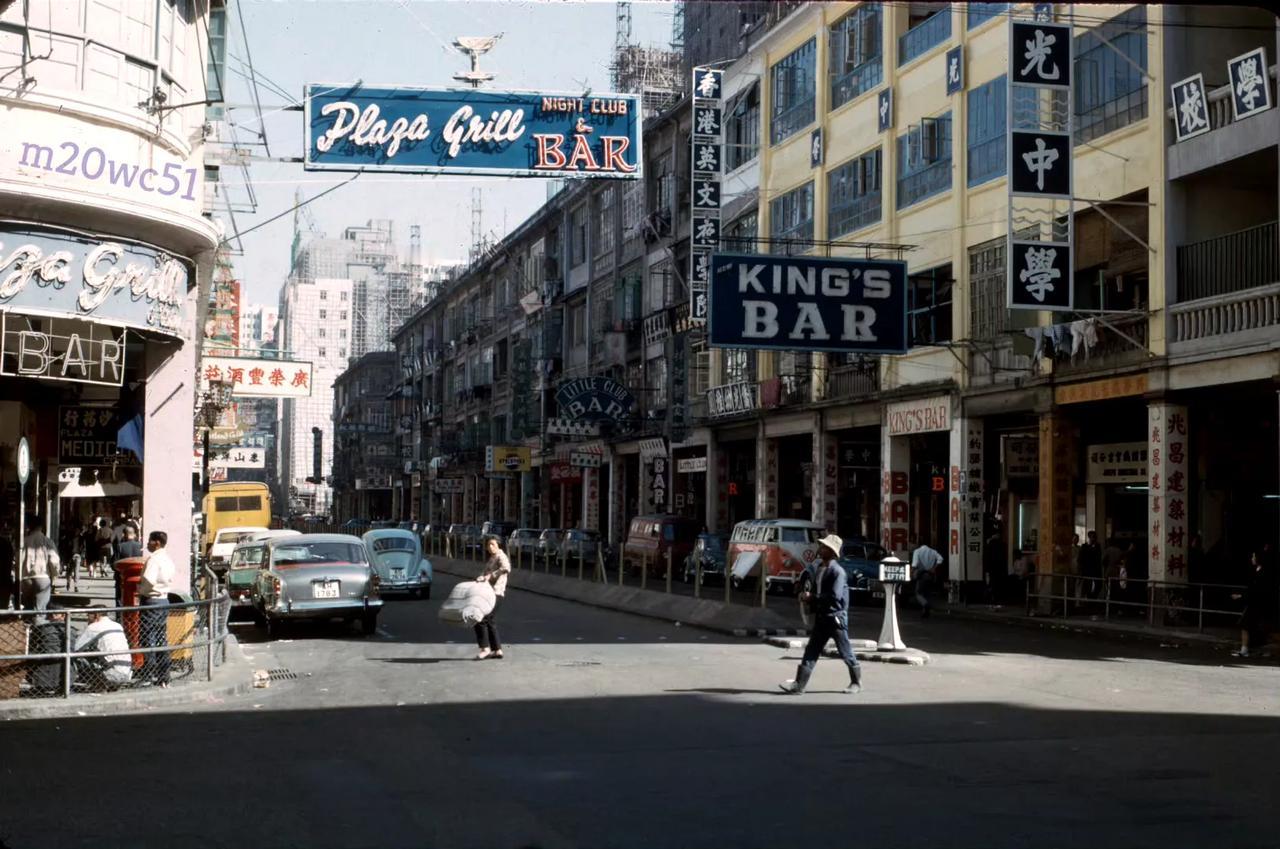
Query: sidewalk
(1083, 623)
(733, 619)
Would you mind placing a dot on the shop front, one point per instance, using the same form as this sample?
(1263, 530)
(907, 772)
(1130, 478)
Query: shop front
(690, 487)
(857, 483)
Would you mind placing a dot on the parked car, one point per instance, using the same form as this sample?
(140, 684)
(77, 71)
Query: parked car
(242, 571)
(224, 543)
(316, 576)
(860, 560)
(501, 530)
(396, 555)
(381, 524)
(522, 545)
(355, 527)
(581, 544)
(412, 527)
(650, 538)
(711, 550)
(784, 547)
(262, 536)
(466, 539)
(549, 545)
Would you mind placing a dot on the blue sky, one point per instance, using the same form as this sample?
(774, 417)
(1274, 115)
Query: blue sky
(553, 46)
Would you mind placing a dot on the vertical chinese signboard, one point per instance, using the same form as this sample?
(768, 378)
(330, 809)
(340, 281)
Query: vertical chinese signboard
(706, 163)
(1167, 493)
(1041, 229)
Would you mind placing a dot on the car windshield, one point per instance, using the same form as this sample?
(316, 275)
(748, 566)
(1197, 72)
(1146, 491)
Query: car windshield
(713, 543)
(799, 535)
(551, 536)
(233, 536)
(392, 544)
(863, 551)
(317, 552)
(247, 558)
(583, 536)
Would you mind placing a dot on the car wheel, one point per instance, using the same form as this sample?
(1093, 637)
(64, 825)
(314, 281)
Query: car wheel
(275, 628)
(369, 624)
(259, 621)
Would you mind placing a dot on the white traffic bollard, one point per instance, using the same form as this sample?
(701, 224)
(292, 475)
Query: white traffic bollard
(892, 573)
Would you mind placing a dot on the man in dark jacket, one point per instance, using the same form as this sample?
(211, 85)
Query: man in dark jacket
(1091, 565)
(830, 608)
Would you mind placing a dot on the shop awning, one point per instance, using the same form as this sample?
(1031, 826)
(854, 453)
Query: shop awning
(102, 489)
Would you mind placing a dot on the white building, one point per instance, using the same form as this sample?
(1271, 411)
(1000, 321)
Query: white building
(258, 326)
(316, 322)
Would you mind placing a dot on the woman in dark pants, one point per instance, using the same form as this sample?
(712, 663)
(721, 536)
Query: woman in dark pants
(495, 572)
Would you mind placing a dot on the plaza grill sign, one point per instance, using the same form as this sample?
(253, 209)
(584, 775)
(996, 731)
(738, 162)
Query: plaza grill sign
(352, 127)
(58, 272)
(809, 304)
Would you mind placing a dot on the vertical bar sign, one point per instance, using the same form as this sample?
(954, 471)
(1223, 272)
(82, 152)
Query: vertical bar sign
(706, 166)
(1038, 149)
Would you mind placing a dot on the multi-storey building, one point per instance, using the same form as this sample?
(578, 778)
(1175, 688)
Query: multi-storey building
(258, 326)
(982, 439)
(316, 320)
(366, 458)
(103, 168)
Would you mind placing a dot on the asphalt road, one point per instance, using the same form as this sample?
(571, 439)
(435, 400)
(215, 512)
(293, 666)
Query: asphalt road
(604, 730)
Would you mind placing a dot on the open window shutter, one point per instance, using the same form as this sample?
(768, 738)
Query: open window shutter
(929, 144)
(869, 33)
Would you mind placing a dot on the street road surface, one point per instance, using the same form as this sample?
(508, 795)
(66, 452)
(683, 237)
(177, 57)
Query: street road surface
(605, 730)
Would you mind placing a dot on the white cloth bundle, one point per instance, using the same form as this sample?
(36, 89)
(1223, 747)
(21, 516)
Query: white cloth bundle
(468, 603)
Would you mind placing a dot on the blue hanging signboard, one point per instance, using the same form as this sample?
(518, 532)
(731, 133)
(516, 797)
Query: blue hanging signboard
(464, 131)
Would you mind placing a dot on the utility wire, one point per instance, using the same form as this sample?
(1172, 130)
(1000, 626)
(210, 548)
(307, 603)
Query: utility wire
(297, 206)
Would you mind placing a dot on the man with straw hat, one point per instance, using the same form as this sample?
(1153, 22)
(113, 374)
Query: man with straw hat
(830, 608)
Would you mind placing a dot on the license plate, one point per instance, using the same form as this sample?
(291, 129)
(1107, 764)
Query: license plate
(325, 589)
(397, 574)
(877, 594)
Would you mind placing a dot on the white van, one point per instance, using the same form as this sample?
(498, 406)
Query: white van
(785, 547)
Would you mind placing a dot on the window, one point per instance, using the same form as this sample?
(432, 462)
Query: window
(742, 128)
(632, 209)
(793, 90)
(924, 160)
(342, 296)
(324, 314)
(853, 195)
(578, 325)
(578, 228)
(742, 233)
(216, 68)
(856, 62)
(323, 353)
(658, 383)
(980, 13)
(791, 217)
(322, 332)
(700, 368)
(342, 315)
(342, 333)
(324, 294)
(342, 353)
(604, 224)
(929, 306)
(989, 317)
(736, 365)
(928, 25)
(1110, 92)
(986, 131)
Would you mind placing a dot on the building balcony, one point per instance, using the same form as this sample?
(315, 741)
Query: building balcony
(1122, 341)
(1227, 138)
(1237, 320)
(846, 383)
(1228, 292)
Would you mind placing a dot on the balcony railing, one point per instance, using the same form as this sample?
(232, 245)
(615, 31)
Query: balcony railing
(1255, 312)
(1121, 341)
(853, 381)
(925, 35)
(1229, 264)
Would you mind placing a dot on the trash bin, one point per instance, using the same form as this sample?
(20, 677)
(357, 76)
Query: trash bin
(128, 575)
(45, 676)
(182, 630)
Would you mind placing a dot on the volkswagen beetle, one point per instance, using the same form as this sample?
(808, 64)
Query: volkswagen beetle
(396, 555)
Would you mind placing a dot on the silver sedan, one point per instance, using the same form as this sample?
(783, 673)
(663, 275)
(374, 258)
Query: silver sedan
(316, 576)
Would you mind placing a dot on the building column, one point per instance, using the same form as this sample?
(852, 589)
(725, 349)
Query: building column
(825, 469)
(895, 463)
(766, 475)
(617, 499)
(1167, 502)
(964, 543)
(1057, 501)
(715, 502)
(166, 496)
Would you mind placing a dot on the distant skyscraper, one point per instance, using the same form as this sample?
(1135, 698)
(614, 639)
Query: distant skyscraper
(258, 326)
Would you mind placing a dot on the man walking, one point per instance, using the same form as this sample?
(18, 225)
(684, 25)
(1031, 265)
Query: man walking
(924, 564)
(830, 619)
(39, 567)
(153, 595)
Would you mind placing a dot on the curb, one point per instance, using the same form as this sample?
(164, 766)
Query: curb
(236, 668)
(447, 568)
(1093, 628)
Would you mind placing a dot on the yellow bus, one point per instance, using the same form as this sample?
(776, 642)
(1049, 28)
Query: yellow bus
(234, 505)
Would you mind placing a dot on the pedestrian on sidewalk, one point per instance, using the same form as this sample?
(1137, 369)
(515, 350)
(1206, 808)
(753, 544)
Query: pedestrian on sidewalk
(1091, 565)
(495, 573)
(924, 564)
(8, 583)
(153, 595)
(1260, 602)
(40, 566)
(830, 608)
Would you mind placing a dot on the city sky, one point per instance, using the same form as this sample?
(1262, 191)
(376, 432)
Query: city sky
(544, 46)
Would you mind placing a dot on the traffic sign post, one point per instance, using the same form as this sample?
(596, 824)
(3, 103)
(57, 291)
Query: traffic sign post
(892, 573)
(24, 472)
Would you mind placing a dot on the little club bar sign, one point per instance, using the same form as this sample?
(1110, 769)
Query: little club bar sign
(454, 131)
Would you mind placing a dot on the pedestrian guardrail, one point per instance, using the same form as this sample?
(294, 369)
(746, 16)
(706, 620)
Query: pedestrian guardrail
(62, 651)
(1177, 604)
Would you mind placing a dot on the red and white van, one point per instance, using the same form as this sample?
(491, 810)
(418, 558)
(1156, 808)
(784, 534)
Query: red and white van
(784, 547)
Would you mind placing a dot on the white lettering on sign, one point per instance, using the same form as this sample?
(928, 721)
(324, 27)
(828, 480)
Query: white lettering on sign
(799, 280)
(70, 350)
(465, 127)
(907, 417)
(367, 129)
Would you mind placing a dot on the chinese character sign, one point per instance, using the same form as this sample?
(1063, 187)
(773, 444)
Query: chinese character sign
(1040, 54)
(1250, 89)
(884, 110)
(706, 165)
(1040, 273)
(256, 378)
(955, 70)
(1168, 492)
(1190, 108)
(1041, 164)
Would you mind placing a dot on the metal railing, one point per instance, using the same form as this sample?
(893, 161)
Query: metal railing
(853, 381)
(1179, 604)
(924, 36)
(1229, 264)
(69, 650)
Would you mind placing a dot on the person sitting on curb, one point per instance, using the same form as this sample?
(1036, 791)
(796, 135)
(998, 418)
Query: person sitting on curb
(103, 634)
(830, 619)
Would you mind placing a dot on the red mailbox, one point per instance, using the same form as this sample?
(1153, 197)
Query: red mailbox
(128, 576)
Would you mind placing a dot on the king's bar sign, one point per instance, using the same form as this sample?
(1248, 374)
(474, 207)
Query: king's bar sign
(455, 131)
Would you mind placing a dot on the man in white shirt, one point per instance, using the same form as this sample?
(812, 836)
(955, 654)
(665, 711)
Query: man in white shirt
(104, 634)
(153, 595)
(924, 564)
